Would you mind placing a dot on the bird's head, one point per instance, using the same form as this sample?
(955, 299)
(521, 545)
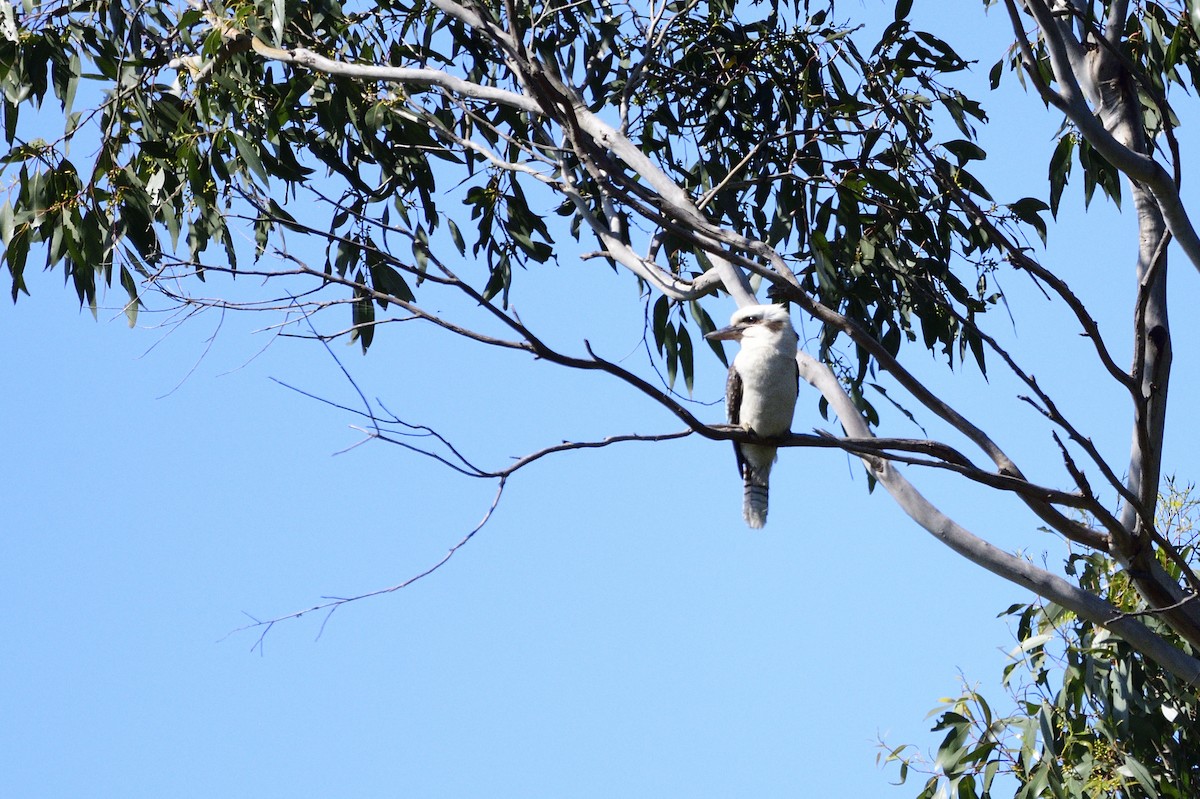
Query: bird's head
(756, 322)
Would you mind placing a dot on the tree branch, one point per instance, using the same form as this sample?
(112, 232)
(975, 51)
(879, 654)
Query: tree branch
(332, 603)
(995, 560)
(1071, 101)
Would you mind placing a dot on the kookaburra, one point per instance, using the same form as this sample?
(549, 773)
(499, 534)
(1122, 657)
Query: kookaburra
(760, 395)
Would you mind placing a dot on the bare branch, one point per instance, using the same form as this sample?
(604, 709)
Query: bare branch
(331, 603)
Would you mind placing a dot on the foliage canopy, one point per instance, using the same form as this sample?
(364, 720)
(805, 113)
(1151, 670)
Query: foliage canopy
(778, 125)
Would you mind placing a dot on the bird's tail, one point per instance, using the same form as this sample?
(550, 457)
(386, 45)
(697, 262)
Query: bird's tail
(754, 500)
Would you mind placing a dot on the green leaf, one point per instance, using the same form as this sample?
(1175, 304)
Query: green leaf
(249, 156)
(885, 183)
(499, 280)
(348, 253)
(456, 236)
(994, 75)
(965, 150)
(131, 289)
(989, 775)
(1029, 211)
(671, 345)
(686, 358)
(968, 181)
(15, 256)
(662, 308)
(362, 315)
(387, 280)
(420, 249)
(1060, 170)
(1135, 769)
(7, 222)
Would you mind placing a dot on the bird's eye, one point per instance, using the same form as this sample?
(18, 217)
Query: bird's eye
(753, 319)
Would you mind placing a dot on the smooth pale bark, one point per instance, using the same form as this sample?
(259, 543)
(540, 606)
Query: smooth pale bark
(979, 551)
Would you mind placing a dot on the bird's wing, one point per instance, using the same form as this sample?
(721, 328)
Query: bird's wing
(733, 396)
(733, 406)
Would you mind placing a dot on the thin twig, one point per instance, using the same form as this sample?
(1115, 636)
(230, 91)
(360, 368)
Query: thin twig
(332, 603)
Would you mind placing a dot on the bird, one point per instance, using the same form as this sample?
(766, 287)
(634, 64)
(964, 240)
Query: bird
(760, 394)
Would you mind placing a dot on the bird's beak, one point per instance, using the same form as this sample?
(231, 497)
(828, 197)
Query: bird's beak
(731, 333)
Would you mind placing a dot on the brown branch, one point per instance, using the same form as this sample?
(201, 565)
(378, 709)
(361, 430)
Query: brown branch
(1021, 260)
(332, 603)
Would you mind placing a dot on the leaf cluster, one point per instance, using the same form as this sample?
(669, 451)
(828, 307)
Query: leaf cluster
(780, 128)
(829, 154)
(1092, 717)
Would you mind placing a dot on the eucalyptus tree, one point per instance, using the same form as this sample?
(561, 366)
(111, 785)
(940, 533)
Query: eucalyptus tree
(709, 151)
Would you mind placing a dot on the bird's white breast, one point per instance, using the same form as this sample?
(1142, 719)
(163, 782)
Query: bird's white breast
(769, 387)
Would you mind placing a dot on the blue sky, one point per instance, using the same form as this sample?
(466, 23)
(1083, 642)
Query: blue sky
(613, 631)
